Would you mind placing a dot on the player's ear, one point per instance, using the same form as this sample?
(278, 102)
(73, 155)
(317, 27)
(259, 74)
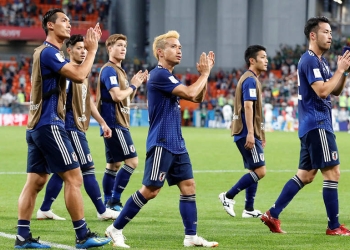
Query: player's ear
(160, 53)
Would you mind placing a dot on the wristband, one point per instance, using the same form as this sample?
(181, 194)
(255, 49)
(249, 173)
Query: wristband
(345, 73)
(133, 87)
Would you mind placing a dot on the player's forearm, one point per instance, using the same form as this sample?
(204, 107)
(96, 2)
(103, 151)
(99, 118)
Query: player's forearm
(195, 90)
(329, 86)
(248, 112)
(340, 86)
(83, 69)
(201, 95)
(95, 114)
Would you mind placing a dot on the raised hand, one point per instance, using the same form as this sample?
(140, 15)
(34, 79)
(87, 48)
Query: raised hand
(203, 66)
(98, 31)
(139, 78)
(211, 57)
(91, 40)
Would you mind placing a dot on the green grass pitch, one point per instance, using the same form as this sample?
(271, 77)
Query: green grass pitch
(217, 166)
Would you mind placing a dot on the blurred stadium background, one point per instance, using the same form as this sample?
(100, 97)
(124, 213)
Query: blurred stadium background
(225, 26)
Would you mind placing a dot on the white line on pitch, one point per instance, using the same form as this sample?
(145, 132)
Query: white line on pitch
(200, 171)
(10, 236)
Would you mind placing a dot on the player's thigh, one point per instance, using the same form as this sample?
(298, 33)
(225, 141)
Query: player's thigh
(81, 148)
(181, 170)
(56, 147)
(252, 158)
(158, 162)
(120, 146)
(318, 150)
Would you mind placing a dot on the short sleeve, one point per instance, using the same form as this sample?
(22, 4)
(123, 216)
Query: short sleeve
(52, 60)
(249, 89)
(109, 78)
(164, 81)
(312, 71)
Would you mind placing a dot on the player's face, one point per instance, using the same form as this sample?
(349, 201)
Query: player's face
(62, 26)
(324, 36)
(172, 52)
(261, 61)
(118, 50)
(78, 52)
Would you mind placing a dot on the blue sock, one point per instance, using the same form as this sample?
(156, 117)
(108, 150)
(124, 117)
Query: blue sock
(250, 196)
(80, 228)
(23, 228)
(93, 190)
(290, 189)
(330, 198)
(243, 183)
(53, 188)
(188, 211)
(132, 206)
(121, 181)
(108, 183)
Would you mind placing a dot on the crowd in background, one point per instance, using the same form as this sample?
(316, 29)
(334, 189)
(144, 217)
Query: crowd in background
(280, 87)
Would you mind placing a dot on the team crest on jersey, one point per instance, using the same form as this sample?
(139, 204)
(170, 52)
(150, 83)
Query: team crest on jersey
(162, 176)
(334, 155)
(74, 156)
(89, 157)
(262, 158)
(132, 148)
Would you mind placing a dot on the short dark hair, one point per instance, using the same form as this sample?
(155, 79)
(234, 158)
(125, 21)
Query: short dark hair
(50, 16)
(312, 25)
(74, 39)
(252, 52)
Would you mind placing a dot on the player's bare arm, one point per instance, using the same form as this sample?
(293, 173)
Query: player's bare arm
(78, 73)
(335, 85)
(118, 95)
(248, 111)
(107, 132)
(194, 93)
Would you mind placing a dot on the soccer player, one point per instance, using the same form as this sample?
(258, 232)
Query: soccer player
(79, 108)
(248, 130)
(167, 157)
(49, 148)
(114, 94)
(318, 145)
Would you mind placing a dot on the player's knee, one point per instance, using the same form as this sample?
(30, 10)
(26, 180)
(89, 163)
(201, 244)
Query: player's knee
(114, 166)
(149, 193)
(133, 162)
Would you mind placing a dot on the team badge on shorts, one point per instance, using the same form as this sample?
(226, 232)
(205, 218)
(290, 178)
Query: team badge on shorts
(261, 157)
(74, 156)
(334, 155)
(162, 176)
(89, 157)
(132, 148)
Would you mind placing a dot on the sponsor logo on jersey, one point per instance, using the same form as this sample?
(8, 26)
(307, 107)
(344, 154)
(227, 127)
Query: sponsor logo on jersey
(335, 155)
(132, 148)
(162, 176)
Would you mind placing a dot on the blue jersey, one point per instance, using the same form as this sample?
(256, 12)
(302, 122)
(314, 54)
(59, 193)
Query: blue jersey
(164, 112)
(69, 120)
(248, 94)
(51, 62)
(109, 80)
(314, 112)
